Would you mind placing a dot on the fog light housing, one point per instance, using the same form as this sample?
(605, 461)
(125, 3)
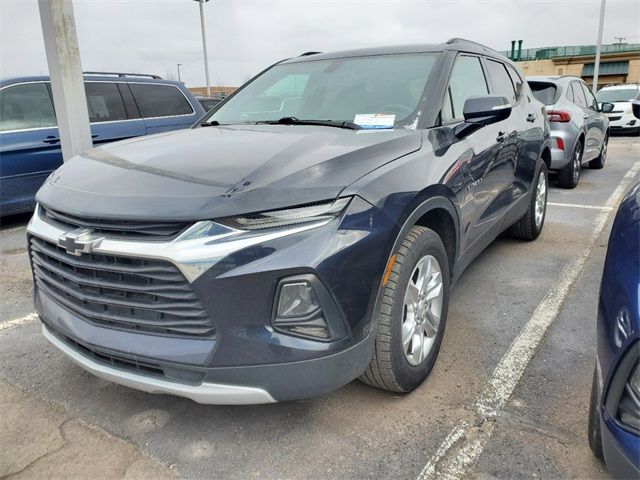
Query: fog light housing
(304, 308)
(297, 300)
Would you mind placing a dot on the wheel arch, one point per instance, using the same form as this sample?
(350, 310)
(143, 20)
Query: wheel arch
(439, 214)
(546, 156)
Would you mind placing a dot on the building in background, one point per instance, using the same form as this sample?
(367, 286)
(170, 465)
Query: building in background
(215, 91)
(619, 63)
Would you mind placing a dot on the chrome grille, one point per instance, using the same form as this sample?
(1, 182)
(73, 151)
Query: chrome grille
(122, 292)
(113, 228)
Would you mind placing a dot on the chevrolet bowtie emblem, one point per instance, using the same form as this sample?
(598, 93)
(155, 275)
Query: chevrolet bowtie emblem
(78, 241)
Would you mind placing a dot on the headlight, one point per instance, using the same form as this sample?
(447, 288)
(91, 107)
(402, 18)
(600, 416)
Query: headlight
(315, 212)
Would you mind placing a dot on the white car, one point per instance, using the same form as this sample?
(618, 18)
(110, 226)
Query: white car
(621, 119)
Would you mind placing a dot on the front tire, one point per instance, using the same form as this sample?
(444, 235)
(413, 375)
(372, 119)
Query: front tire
(595, 432)
(569, 176)
(530, 225)
(412, 315)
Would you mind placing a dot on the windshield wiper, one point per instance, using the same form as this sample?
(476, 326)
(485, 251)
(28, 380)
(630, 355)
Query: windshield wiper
(325, 123)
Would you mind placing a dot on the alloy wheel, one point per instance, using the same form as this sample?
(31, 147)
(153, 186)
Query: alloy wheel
(541, 199)
(577, 165)
(422, 310)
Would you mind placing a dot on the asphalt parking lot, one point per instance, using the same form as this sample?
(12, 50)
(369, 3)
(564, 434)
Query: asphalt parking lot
(508, 397)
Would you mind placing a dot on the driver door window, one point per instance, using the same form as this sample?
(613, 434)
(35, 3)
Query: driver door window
(591, 100)
(467, 80)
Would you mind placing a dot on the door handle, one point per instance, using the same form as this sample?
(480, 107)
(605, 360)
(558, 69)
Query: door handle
(95, 135)
(502, 136)
(51, 139)
(531, 117)
(585, 116)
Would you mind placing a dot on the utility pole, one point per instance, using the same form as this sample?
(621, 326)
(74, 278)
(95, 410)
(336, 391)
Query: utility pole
(179, 65)
(620, 39)
(65, 71)
(596, 65)
(204, 45)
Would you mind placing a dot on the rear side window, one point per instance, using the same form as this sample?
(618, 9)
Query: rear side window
(467, 80)
(104, 102)
(578, 95)
(570, 93)
(26, 106)
(501, 81)
(160, 100)
(544, 92)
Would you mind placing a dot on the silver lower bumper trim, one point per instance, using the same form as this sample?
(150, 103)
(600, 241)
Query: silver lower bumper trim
(206, 393)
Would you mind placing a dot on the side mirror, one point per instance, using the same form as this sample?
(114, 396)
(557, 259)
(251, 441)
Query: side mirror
(481, 111)
(486, 110)
(635, 106)
(606, 107)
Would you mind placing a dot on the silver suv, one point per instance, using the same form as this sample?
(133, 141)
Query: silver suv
(579, 129)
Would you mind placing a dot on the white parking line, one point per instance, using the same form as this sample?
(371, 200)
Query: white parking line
(466, 441)
(16, 322)
(576, 205)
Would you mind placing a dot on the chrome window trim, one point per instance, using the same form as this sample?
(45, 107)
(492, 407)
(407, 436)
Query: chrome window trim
(192, 257)
(193, 111)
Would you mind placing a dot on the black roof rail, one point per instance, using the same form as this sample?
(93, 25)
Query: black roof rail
(123, 74)
(464, 40)
(306, 54)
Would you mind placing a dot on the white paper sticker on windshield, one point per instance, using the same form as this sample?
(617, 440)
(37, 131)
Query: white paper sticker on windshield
(374, 120)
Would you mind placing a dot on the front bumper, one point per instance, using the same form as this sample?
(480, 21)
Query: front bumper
(247, 360)
(619, 122)
(205, 392)
(620, 449)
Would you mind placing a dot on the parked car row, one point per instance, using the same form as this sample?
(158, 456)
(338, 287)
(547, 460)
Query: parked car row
(120, 106)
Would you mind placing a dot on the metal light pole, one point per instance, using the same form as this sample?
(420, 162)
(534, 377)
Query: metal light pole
(204, 45)
(67, 84)
(596, 65)
(179, 65)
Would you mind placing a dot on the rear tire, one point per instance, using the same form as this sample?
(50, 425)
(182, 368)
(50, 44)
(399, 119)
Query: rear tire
(569, 176)
(595, 432)
(530, 225)
(598, 163)
(408, 337)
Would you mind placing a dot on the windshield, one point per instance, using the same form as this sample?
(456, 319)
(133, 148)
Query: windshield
(617, 95)
(387, 88)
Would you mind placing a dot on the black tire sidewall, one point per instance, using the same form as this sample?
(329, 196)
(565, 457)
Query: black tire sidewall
(534, 228)
(407, 375)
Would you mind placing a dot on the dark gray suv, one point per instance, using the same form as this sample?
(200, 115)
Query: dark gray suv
(305, 233)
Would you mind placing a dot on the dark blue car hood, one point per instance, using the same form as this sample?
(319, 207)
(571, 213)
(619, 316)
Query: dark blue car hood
(220, 171)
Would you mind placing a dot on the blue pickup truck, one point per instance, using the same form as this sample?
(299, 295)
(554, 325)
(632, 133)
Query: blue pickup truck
(120, 106)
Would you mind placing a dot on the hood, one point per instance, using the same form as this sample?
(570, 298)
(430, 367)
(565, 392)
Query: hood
(213, 172)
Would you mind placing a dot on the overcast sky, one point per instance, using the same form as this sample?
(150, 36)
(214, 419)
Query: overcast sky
(244, 36)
